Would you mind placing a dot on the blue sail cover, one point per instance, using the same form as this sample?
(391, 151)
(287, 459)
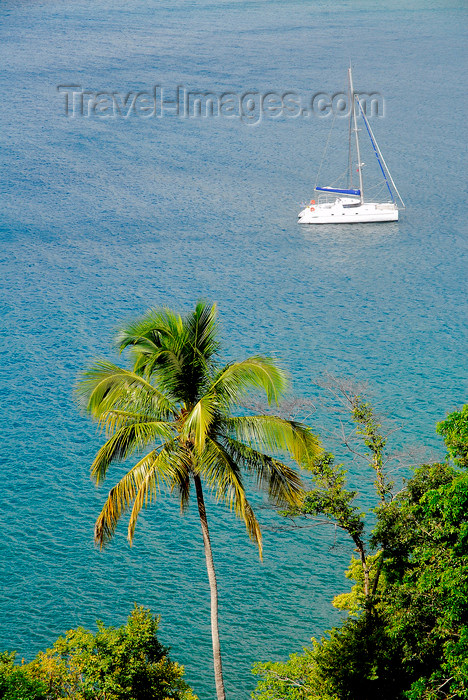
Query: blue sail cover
(376, 150)
(333, 189)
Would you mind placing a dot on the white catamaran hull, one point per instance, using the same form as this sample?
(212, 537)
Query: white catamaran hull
(342, 212)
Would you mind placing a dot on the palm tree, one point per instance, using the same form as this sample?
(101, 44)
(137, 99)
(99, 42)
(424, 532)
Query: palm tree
(177, 409)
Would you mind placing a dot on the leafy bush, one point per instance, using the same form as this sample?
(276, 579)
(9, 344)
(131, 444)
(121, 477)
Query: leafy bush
(124, 663)
(16, 683)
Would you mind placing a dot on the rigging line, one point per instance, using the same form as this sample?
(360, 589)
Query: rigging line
(325, 150)
(375, 149)
(339, 179)
(326, 145)
(374, 142)
(379, 185)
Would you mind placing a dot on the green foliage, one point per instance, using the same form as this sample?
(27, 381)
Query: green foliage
(124, 663)
(370, 429)
(330, 497)
(358, 660)
(355, 600)
(354, 661)
(427, 603)
(295, 679)
(454, 430)
(410, 638)
(177, 409)
(17, 682)
(398, 525)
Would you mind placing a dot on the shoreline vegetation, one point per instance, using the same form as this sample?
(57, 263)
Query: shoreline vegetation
(406, 633)
(180, 413)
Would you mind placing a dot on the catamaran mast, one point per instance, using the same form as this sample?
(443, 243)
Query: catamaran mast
(351, 90)
(350, 138)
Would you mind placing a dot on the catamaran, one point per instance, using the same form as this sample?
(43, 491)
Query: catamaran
(350, 206)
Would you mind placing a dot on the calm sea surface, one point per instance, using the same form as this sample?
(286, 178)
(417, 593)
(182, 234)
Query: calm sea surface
(103, 217)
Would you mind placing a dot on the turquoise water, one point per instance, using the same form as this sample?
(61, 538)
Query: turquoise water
(103, 218)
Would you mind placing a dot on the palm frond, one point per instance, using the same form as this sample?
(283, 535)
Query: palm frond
(149, 331)
(162, 470)
(281, 482)
(276, 434)
(233, 382)
(197, 354)
(223, 477)
(156, 341)
(198, 421)
(182, 466)
(202, 329)
(111, 421)
(124, 493)
(106, 386)
(177, 350)
(127, 439)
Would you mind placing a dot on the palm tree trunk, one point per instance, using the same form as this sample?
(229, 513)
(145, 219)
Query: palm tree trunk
(218, 669)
